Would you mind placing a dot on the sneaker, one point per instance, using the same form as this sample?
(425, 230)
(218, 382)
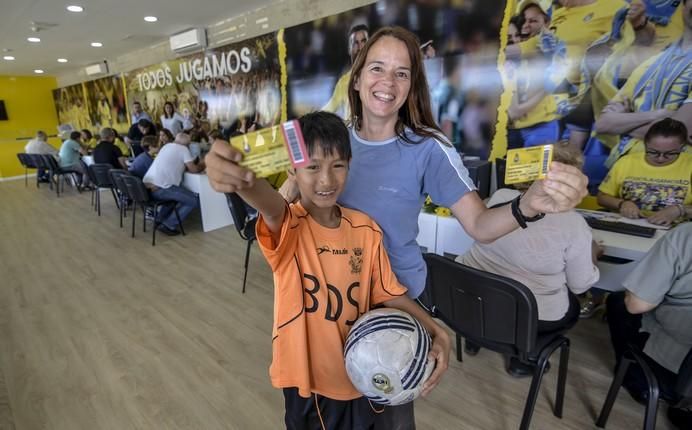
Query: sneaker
(149, 214)
(168, 231)
(589, 307)
(520, 369)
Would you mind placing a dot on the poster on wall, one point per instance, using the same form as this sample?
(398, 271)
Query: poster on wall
(576, 72)
(106, 103)
(235, 88)
(459, 39)
(70, 105)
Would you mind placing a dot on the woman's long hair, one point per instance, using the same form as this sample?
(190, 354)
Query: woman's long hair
(416, 112)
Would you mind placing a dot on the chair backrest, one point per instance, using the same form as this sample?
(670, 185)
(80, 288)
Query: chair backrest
(38, 161)
(683, 386)
(98, 173)
(50, 162)
(116, 178)
(241, 220)
(496, 312)
(26, 161)
(135, 188)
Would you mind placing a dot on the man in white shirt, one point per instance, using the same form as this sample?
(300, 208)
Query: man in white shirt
(164, 177)
(38, 145)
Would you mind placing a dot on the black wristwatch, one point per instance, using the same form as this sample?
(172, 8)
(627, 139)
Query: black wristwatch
(521, 219)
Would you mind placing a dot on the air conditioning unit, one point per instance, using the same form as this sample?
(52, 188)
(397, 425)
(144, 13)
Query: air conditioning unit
(189, 40)
(97, 69)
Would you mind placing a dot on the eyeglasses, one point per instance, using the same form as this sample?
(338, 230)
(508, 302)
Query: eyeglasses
(667, 155)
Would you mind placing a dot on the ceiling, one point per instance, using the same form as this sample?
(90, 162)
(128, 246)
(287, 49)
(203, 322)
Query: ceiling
(118, 24)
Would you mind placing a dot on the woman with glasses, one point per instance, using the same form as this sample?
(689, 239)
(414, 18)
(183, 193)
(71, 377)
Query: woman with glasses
(654, 184)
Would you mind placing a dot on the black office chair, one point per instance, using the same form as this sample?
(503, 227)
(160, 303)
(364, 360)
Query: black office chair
(140, 196)
(41, 169)
(244, 224)
(58, 173)
(683, 387)
(98, 173)
(121, 191)
(499, 314)
(28, 163)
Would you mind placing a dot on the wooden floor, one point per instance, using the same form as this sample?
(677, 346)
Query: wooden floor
(102, 331)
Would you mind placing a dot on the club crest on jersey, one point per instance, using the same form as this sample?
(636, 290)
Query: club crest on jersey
(356, 260)
(588, 17)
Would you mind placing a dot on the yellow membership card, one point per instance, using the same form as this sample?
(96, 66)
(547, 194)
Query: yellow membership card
(528, 164)
(273, 149)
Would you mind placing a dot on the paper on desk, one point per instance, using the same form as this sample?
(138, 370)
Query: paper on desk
(611, 216)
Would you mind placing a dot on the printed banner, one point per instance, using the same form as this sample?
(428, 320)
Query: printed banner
(70, 104)
(106, 102)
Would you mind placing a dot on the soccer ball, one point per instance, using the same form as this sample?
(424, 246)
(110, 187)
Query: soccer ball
(386, 355)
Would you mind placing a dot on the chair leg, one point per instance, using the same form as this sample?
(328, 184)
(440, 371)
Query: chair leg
(247, 260)
(134, 208)
(538, 373)
(144, 219)
(60, 178)
(613, 392)
(153, 231)
(652, 401)
(561, 379)
(182, 230)
(120, 211)
(26, 177)
(98, 200)
(459, 353)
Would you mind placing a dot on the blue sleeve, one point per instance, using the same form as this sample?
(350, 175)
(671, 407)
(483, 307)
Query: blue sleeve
(445, 179)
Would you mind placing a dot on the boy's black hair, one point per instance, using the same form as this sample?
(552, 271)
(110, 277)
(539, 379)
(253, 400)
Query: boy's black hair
(667, 127)
(328, 131)
(75, 135)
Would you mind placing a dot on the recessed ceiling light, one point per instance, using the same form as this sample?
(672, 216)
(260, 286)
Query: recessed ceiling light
(38, 71)
(150, 19)
(75, 8)
(62, 60)
(96, 44)
(33, 39)
(8, 58)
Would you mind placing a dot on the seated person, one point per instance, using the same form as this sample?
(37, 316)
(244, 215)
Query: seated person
(39, 145)
(165, 136)
(88, 141)
(143, 161)
(69, 154)
(555, 259)
(137, 131)
(165, 176)
(106, 152)
(655, 312)
(654, 184)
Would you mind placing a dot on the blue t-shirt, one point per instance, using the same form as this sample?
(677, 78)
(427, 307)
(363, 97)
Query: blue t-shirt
(69, 153)
(141, 164)
(389, 181)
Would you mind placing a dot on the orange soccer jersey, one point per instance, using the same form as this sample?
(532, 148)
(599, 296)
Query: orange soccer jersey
(324, 279)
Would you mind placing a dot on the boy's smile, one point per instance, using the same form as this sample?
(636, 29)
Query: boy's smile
(320, 183)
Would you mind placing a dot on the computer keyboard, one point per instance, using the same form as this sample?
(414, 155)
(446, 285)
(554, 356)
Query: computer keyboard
(620, 227)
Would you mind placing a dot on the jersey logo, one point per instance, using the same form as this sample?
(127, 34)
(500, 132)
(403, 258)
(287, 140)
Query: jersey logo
(588, 17)
(322, 249)
(325, 248)
(356, 260)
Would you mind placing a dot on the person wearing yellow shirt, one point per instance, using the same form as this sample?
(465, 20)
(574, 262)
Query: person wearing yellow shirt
(338, 103)
(533, 112)
(654, 184)
(577, 27)
(659, 88)
(656, 25)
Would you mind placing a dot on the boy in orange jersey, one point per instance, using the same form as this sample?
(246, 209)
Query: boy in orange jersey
(330, 267)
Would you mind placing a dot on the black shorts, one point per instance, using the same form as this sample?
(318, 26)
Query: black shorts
(322, 413)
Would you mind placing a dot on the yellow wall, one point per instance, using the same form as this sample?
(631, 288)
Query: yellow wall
(30, 107)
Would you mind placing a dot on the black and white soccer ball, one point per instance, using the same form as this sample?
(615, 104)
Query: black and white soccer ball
(386, 355)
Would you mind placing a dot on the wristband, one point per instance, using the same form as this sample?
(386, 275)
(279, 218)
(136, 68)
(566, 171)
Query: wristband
(521, 219)
(683, 212)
